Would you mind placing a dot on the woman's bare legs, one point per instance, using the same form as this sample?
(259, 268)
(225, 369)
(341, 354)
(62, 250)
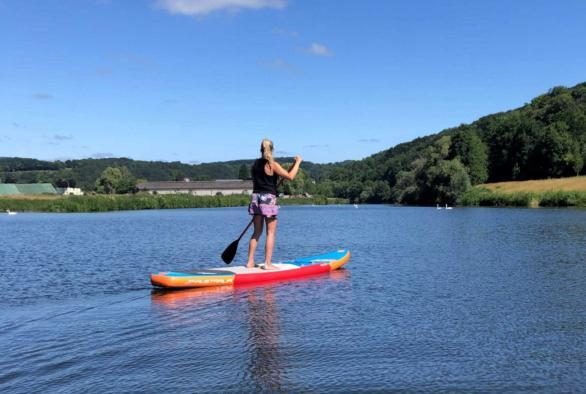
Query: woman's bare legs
(258, 224)
(270, 244)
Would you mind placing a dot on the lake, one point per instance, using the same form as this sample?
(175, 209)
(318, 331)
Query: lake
(469, 300)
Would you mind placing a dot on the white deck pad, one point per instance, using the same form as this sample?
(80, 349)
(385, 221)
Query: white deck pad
(257, 270)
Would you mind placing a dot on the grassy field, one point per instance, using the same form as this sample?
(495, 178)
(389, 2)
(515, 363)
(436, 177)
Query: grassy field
(577, 183)
(561, 192)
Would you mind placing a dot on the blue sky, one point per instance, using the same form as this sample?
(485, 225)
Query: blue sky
(206, 80)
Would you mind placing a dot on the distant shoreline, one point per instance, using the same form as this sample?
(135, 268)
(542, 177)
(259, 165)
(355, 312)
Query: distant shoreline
(479, 196)
(131, 202)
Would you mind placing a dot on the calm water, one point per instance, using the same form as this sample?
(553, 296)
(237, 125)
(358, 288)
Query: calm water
(468, 300)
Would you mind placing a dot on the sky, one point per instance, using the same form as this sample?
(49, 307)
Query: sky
(205, 80)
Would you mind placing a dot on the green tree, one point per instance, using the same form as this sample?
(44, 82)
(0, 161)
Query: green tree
(10, 178)
(115, 180)
(510, 139)
(448, 180)
(301, 184)
(472, 153)
(375, 192)
(244, 172)
(432, 179)
(406, 190)
(556, 153)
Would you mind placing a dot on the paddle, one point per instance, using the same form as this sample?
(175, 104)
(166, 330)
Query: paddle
(229, 253)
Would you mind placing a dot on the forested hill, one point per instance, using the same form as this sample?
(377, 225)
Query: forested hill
(545, 138)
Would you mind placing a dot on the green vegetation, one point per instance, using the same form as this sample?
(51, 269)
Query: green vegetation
(116, 180)
(103, 203)
(545, 138)
(316, 200)
(244, 172)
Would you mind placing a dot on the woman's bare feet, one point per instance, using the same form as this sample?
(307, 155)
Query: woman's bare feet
(270, 267)
(250, 265)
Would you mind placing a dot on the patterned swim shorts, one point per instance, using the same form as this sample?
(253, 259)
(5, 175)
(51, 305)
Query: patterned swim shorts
(264, 204)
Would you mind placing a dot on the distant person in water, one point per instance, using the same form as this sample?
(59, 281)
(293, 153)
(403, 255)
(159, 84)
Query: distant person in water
(265, 173)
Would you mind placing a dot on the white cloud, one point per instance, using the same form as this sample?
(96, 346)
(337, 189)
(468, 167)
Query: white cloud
(203, 7)
(319, 50)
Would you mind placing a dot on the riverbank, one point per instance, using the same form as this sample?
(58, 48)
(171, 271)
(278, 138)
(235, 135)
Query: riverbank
(123, 202)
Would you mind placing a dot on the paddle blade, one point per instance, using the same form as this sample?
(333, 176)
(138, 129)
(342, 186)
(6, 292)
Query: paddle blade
(230, 252)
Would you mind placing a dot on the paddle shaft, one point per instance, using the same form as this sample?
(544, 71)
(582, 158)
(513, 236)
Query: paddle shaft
(246, 229)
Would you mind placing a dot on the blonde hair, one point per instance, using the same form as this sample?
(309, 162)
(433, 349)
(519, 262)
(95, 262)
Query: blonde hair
(266, 148)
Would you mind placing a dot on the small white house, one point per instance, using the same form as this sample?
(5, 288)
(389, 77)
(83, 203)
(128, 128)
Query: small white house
(72, 191)
(198, 188)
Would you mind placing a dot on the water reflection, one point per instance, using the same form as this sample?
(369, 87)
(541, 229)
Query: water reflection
(267, 367)
(177, 299)
(266, 364)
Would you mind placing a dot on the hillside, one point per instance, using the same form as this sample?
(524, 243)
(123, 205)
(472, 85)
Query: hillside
(545, 138)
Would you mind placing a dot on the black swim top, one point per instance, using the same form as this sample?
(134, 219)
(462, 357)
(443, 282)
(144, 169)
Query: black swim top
(263, 183)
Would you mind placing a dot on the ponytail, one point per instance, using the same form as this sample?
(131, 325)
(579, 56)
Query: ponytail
(266, 148)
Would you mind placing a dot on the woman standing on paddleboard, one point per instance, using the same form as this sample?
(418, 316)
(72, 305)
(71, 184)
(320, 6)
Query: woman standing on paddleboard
(263, 202)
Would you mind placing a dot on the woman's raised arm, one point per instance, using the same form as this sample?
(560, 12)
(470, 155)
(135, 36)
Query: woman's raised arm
(289, 175)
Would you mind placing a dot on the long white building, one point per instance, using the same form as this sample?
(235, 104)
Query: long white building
(198, 188)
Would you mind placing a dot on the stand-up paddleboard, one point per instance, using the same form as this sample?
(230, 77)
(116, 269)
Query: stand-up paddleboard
(240, 275)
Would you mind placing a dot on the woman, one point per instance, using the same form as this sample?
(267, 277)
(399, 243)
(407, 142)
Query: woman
(263, 203)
